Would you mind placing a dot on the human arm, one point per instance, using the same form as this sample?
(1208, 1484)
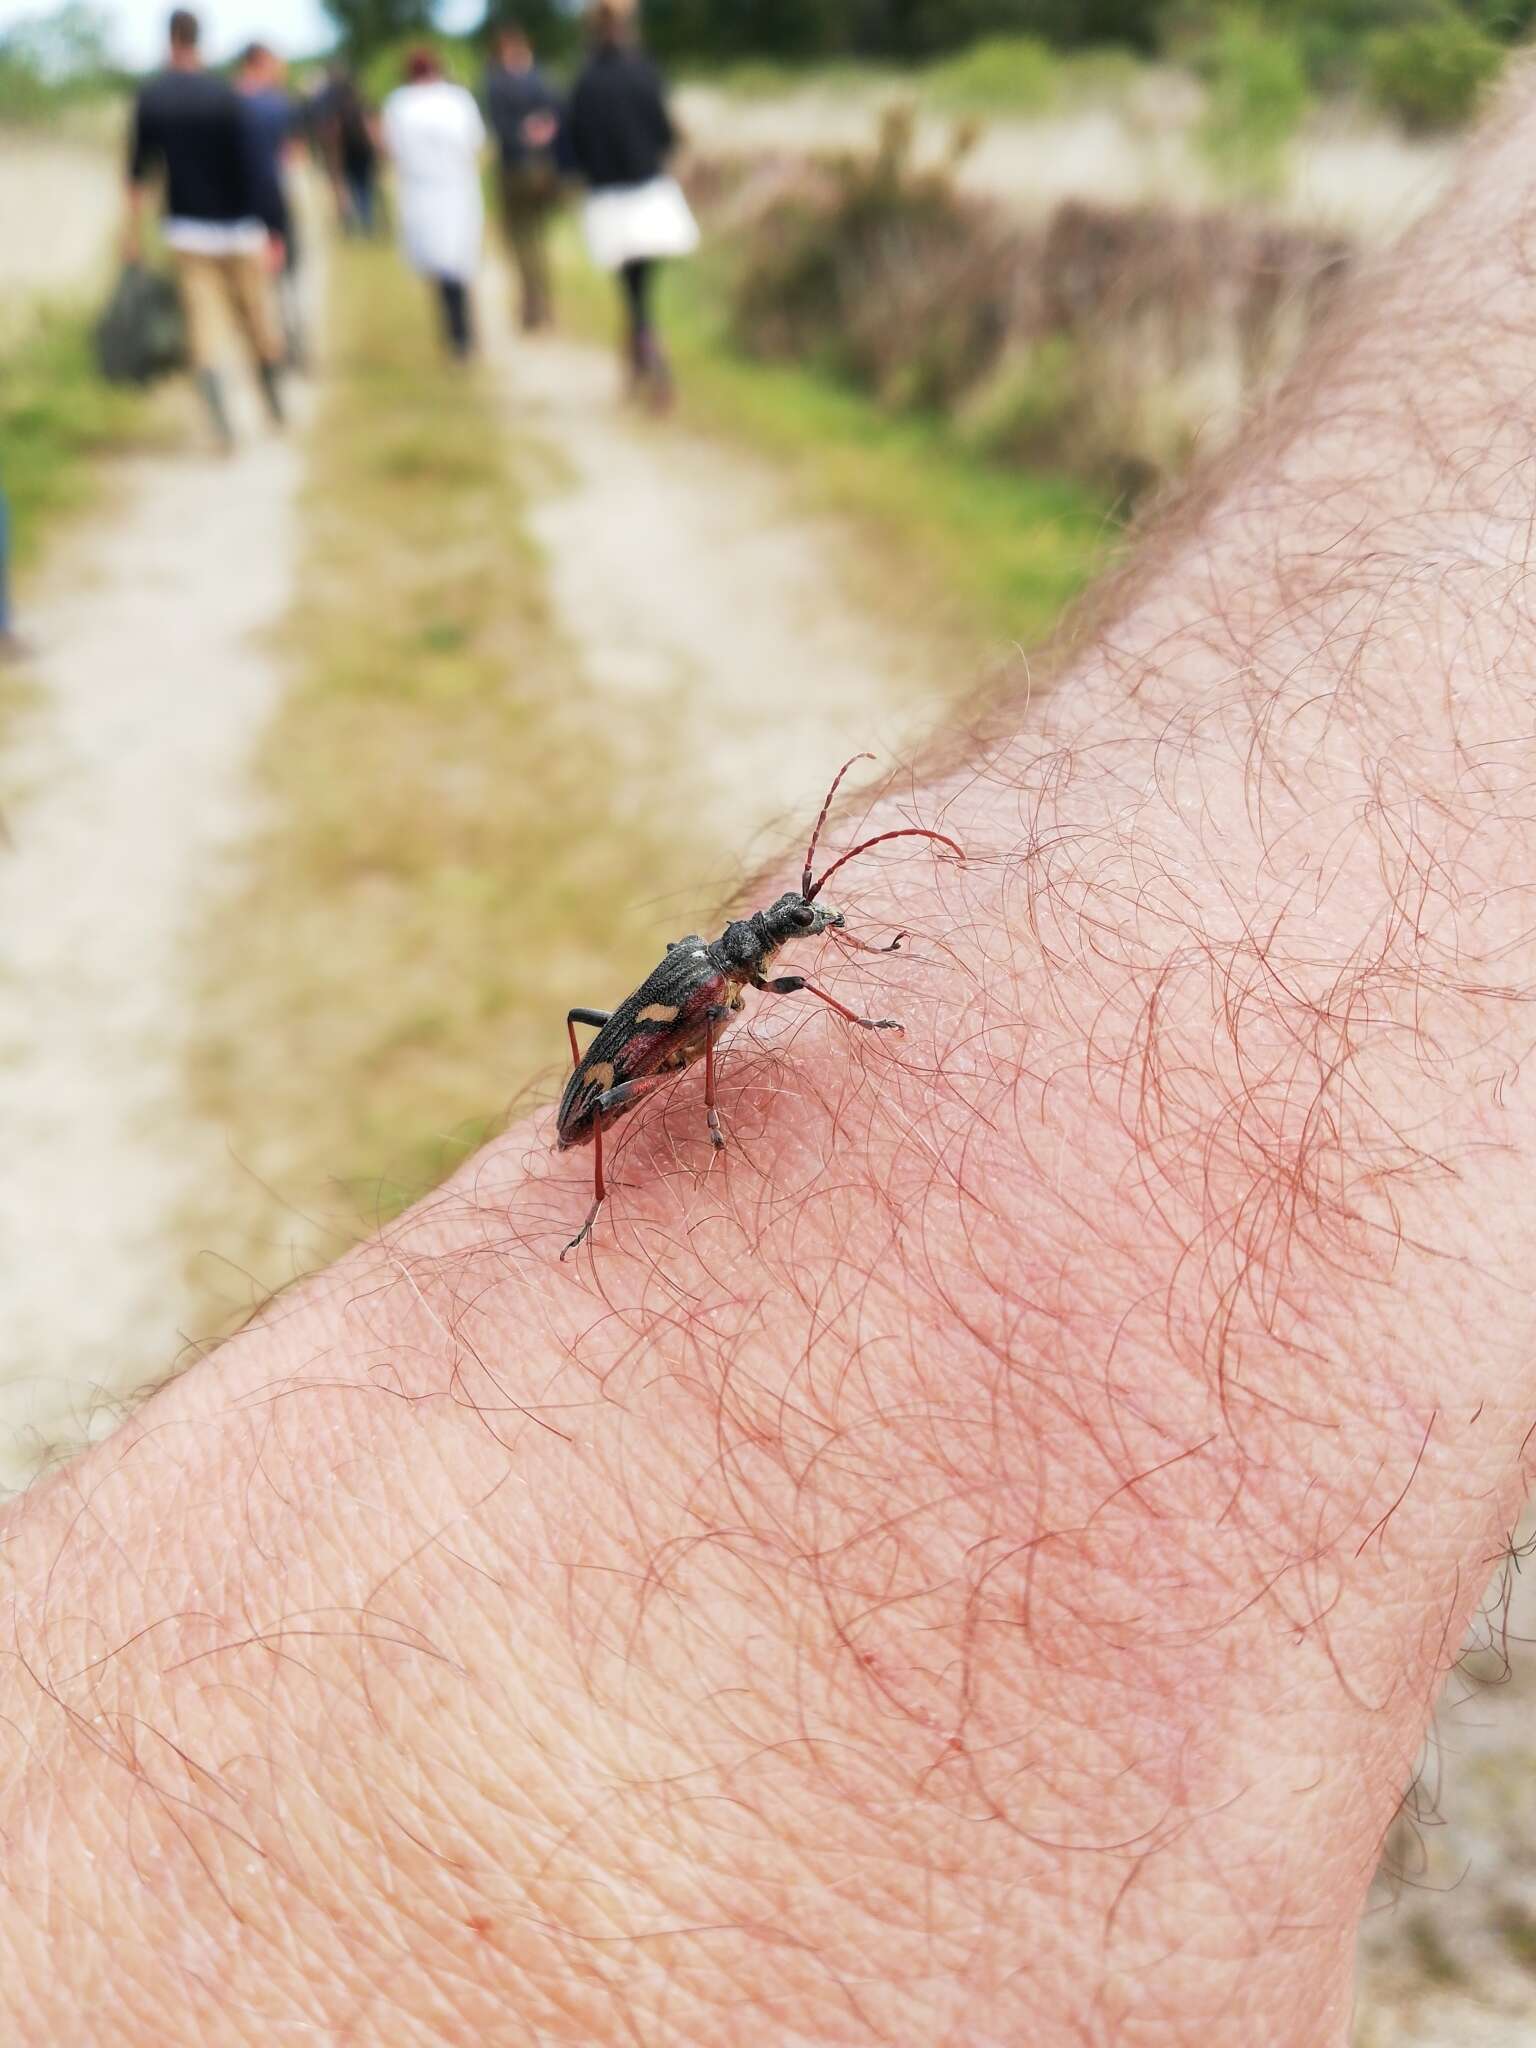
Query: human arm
(975, 1563)
(143, 158)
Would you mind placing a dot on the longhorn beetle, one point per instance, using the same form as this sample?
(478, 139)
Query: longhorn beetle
(681, 1008)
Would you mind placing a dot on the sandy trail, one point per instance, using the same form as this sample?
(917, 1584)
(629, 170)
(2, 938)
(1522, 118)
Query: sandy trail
(695, 588)
(153, 685)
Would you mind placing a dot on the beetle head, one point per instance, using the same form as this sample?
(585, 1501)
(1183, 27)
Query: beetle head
(793, 918)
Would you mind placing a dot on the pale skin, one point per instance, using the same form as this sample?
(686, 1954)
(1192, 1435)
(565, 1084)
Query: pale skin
(975, 1564)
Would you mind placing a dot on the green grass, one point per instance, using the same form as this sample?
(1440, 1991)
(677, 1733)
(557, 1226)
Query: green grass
(56, 417)
(1001, 74)
(997, 551)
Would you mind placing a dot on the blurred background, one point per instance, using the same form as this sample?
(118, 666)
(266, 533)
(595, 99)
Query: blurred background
(362, 710)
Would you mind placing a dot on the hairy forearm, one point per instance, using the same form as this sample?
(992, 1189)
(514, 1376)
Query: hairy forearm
(974, 1562)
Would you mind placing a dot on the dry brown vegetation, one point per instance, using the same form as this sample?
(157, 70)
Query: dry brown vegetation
(1107, 341)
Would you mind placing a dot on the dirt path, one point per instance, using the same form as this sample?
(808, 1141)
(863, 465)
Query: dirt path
(691, 584)
(126, 783)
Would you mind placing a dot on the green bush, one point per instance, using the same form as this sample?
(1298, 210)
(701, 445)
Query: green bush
(1432, 74)
(1004, 74)
(876, 273)
(1331, 35)
(1258, 97)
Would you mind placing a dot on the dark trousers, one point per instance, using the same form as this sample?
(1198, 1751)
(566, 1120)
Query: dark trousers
(528, 194)
(458, 323)
(650, 372)
(361, 211)
(636, 280)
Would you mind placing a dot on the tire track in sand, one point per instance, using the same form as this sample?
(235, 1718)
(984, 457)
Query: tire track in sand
(125, 783)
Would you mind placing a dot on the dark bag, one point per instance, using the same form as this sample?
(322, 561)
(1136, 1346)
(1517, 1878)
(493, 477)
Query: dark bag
(141, 335)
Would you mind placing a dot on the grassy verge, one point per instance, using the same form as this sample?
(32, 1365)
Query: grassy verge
(56, 416)
(986, 548)
(447, 813)
(57, 419)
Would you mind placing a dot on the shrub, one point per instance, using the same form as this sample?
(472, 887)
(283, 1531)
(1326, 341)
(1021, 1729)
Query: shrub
(1257, 98)
(878, 272)
(1109, 344)
(1004, 74)
(1432, 74)
(1331, 35)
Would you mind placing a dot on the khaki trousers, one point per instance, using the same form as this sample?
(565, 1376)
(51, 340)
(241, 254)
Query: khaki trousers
(216, 289)
(528, 196)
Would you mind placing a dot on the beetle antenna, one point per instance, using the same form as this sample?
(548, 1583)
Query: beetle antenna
(806, 889)
(905, 832)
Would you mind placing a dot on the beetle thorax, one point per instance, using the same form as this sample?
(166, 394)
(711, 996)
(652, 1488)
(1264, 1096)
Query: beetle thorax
(747, 944)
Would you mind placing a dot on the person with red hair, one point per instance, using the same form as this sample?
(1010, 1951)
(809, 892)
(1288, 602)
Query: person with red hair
(433, 132)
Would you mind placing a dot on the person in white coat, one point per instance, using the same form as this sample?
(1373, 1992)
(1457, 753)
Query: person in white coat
(434, 134)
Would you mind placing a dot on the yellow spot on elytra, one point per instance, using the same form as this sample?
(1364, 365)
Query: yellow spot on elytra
(600, 1077)
(658, 1013)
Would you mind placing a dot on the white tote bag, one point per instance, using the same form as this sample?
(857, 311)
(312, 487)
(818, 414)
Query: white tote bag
(630, 223)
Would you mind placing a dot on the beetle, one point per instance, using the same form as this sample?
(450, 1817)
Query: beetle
(679, 1011)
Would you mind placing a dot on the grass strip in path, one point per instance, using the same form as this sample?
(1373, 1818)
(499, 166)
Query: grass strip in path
(458, 845)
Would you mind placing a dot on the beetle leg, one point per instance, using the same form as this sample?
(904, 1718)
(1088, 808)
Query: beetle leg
(715, 1015)
(575, 1017)
(599, 1188)
(791, 984)
(616, 1098)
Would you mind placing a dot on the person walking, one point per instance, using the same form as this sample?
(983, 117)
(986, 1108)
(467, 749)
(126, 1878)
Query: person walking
(434, 134)
(273, 124)
(189, 127)
(617, 137)
(523, 110)
(346, 135)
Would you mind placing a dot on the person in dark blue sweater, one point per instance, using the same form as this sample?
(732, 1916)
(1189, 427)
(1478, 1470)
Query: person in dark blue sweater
(272, 125)
(522, 111)
(617, 137)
